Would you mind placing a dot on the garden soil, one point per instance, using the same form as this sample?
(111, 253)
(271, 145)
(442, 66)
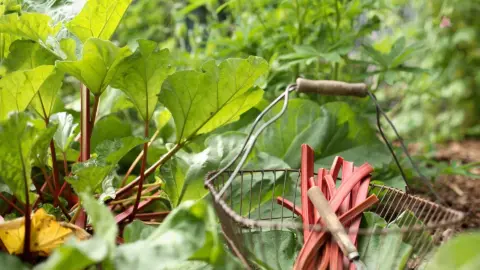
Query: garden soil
(460, 192)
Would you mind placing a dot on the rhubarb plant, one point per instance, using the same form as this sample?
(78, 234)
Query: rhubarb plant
(101, 166)
(37, 62)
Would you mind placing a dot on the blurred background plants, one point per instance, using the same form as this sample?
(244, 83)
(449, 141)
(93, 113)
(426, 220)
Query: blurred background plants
(422, 57)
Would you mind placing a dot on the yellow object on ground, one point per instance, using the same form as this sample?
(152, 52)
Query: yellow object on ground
(46, 233)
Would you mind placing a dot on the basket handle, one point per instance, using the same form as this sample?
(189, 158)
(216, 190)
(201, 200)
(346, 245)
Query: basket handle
(331, 88)
(332, 223)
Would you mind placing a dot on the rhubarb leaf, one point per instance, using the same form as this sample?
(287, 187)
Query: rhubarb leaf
(44, 101)
(184, 177)
(76, 255)
(188, 233)
(34, 26)
(276, 249)
(461, 252)
(40, 149)
(113, 151)
(140, 76)
(110, 128)
(18, 137)
(331, 130)
(100, 248)
(98, 19)
(101, 219)
(27, 54)
(12, 262)
(422, 238)
(88, 176)
(68, 47)
(18, 88)
(9, 6)
(98, 65)
(203, 101)
(386, 251)
(137, 230)
(65, 132)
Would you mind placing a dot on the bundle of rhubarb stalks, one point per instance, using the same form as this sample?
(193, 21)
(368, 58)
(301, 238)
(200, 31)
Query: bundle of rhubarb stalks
(348, 201)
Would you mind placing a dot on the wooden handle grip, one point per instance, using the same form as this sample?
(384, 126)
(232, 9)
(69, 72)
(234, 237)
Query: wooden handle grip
(331, 88)
(333, 224)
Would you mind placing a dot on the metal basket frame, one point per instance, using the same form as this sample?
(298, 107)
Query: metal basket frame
(432, 217)
(450, 217)
(439, 218)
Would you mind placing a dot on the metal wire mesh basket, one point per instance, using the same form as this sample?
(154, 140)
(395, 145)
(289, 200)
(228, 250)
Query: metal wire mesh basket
(252, 218)
(265, 232)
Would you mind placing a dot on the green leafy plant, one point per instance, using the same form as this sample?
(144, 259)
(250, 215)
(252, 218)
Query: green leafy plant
(34, 72)
(458, 253)
(79, 112)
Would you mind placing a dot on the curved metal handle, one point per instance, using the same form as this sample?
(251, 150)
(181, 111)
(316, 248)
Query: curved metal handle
(332, 88)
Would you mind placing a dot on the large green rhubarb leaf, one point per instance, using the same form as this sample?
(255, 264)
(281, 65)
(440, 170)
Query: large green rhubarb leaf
(460, 252)
(28, 54)
(185, 175)
(18, 138)
(98, 65)
(47, 95)
(140, 76)
(98, 19)
(39, 155)
(17, 89)
(7, 7)
(12, 262)
(188, 233)
(101, 219)
(75, 254)
(6, 41)
(331, 130)
(88, 176)
(203, 101)
(137, 230)
(34, 26)
(275, 249)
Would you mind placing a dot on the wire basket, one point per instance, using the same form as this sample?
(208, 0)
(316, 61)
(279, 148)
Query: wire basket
(266, 233)
(255, 222)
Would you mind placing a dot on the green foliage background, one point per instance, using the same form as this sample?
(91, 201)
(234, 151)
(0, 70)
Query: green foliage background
(431, 89)
(420, 58)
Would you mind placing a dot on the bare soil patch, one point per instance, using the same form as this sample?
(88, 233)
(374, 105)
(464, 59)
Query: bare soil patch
(459, 192)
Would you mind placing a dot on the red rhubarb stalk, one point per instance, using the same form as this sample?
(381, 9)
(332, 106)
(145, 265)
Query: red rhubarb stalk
(353, 196)
(127, 213)
(316, 240)
(336, 165)
(346, 188)
(312, 244)
(332, 179)
(289, 205)
(321, 173)
(362, 194)
(306, 171)
(347, 171)
(334, 255)
(330, 184)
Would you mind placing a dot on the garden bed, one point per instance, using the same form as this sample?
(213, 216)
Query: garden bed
(459, 192)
